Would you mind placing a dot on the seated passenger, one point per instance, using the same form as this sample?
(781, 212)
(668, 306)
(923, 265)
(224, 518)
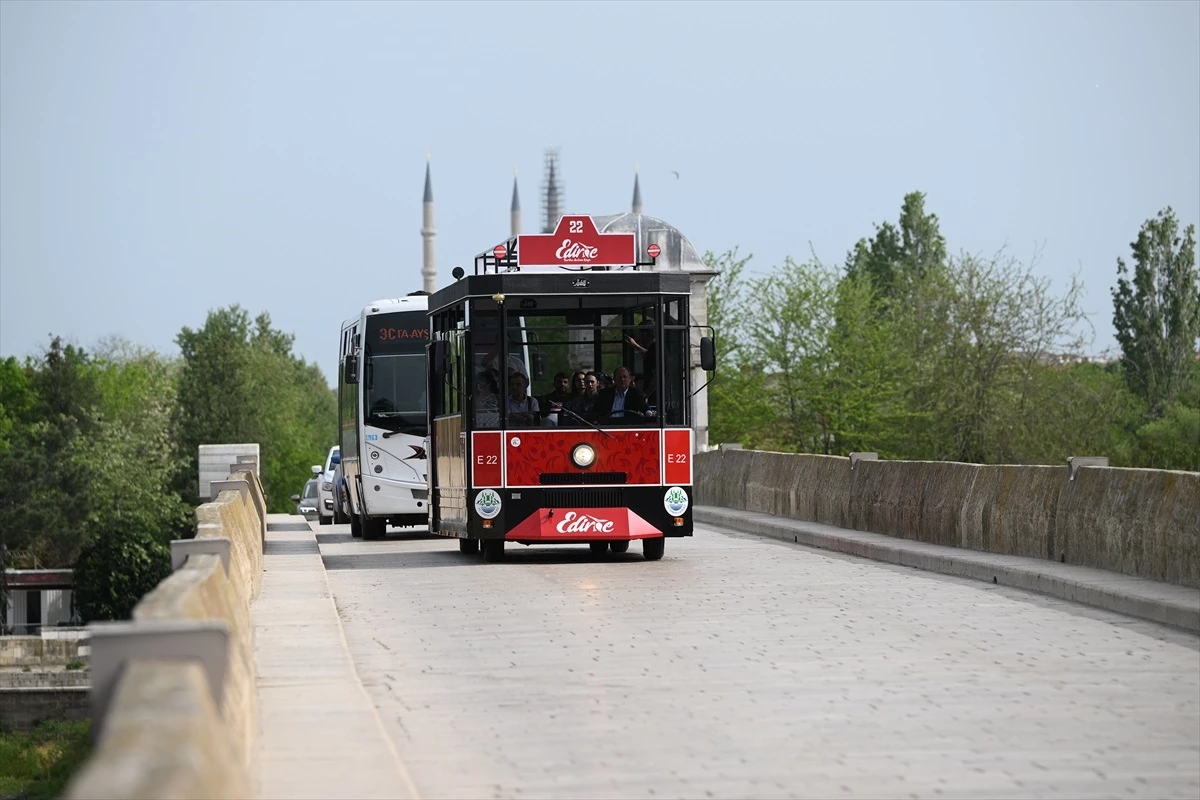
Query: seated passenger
(487, 400)
(560, 395)
(584, 404)
(622, 400)
(522, 409)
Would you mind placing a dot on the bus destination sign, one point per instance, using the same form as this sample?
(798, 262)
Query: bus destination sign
(575, 243)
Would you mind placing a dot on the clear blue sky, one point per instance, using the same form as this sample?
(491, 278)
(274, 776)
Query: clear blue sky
(158, 160)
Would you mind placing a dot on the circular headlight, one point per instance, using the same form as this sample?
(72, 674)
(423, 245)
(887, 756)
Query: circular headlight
(583, 455)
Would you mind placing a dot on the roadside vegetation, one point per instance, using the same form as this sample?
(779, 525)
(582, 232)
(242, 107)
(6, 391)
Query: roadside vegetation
(99, 449)
(915, 352)
(38, 765)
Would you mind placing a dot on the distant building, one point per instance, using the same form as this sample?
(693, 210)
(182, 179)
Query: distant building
(38, 598)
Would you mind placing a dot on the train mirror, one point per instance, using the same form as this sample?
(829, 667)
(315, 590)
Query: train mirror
(708, 354)
(350, 369)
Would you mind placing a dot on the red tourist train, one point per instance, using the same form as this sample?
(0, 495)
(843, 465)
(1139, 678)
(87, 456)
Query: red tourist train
(517, 453)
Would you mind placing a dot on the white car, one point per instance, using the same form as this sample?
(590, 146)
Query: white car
(325, 488)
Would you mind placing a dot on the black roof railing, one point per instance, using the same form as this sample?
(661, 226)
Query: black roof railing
(487, 262)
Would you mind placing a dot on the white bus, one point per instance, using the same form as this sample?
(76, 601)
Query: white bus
(382, 424)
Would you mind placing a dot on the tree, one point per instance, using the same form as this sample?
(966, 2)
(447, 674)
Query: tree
(789, 341)
(104, 592)
(738, 410)
(899, 253)
(1157, 313)
(240, 383)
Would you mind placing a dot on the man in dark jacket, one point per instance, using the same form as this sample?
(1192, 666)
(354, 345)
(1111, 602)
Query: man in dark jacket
(621, 397)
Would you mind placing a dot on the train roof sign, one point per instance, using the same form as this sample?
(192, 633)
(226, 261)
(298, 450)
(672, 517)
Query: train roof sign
(576, 244)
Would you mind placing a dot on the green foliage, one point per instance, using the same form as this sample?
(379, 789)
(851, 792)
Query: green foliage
(1157, 314)
(38, 765)
(738, 407)
(115, 569)
(898, 254)
(918, 354)
(44, 497)
(239, 382)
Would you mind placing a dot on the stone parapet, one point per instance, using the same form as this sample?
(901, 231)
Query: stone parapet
(1139, 522)
(167, 720)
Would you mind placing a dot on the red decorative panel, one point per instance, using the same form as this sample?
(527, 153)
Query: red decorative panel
(529, 453)
(677, 457)
(485, 459)
(582, 525)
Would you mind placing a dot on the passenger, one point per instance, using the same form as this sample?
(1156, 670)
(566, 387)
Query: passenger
(487, 400)
(642, 340)
(522, 409)
(622, 400)
(578, 386)
(561, 394)
(585, 404)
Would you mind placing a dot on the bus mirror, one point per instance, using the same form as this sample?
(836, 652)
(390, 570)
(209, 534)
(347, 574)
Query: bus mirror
(350, 369)
(539, 365)
(708, 354)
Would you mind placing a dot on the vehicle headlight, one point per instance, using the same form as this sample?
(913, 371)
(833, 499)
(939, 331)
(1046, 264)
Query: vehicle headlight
(583, 455)
(327, 486)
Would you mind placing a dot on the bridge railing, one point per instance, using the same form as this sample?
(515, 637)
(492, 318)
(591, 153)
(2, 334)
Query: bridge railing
(173, 698)
(1140, 522)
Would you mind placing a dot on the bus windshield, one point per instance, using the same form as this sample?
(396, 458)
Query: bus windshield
(394, 364)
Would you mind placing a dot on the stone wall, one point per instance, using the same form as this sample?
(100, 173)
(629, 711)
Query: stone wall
(165, 733)
(1134, 521)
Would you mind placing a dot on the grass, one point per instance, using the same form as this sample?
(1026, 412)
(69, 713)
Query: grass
(37, 765)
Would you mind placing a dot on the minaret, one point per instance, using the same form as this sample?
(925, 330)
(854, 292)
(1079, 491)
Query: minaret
(515, 211)
(428, 266)
(552, 194)
(637, 192)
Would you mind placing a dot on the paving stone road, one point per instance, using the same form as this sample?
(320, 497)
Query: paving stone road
(743, 667)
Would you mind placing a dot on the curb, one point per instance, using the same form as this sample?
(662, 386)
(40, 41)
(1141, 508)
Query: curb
(1165, 603)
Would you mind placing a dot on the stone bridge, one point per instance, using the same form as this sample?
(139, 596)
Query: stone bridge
(837, 627)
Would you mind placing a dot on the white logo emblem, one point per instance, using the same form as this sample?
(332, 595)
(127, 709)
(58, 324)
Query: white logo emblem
(675, 501)
(487, 503)
(584, 523)
(576, 252)
(515, 441)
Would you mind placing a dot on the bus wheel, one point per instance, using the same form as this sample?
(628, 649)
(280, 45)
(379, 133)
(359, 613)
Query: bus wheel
(493, 550)
(374, 529)
(356, 526)
(619, 547)
(468, 546)
(598, 548)
(652, 548)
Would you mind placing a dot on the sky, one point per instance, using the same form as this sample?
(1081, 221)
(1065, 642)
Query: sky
(162, 160)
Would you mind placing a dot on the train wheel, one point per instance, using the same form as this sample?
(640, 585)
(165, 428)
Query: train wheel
(356, 526)
(598, 548)
(653, 547)
(493, 550)
(468, 546)
(619, 547)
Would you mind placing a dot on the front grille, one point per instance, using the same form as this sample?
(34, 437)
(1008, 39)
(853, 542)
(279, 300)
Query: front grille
(563, 478)
(583, 498)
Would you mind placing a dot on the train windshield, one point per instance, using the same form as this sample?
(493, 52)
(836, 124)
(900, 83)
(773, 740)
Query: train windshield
(569, 355)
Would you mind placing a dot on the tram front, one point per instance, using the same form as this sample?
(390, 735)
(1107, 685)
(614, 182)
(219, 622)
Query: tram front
(517, 453)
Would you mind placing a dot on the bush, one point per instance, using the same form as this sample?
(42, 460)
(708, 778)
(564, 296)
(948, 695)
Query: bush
(115, 571)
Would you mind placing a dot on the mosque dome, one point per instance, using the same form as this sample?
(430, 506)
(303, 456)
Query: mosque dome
(678, 254)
